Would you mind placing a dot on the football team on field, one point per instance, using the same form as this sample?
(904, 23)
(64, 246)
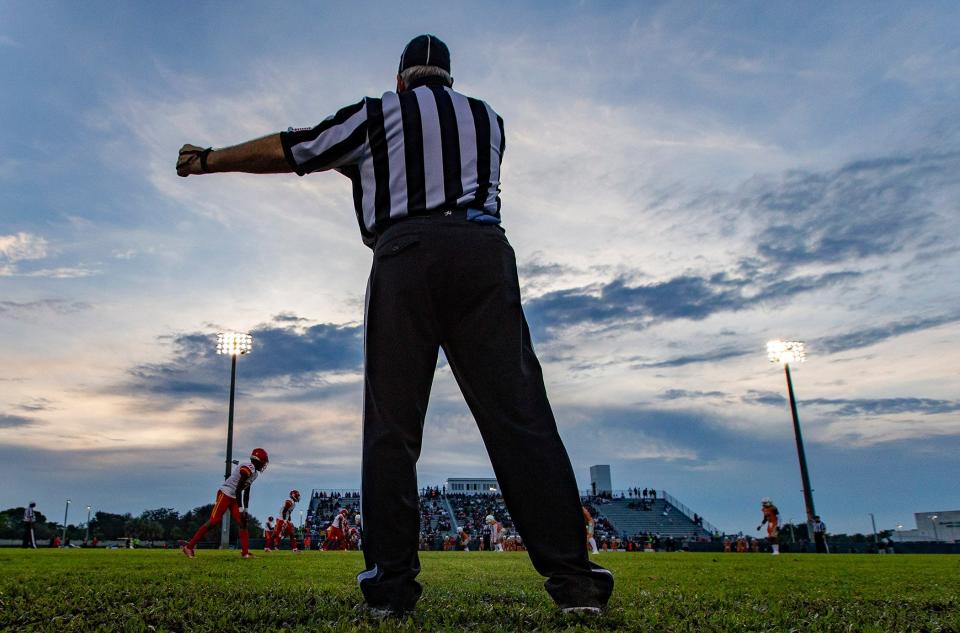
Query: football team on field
(234, 497)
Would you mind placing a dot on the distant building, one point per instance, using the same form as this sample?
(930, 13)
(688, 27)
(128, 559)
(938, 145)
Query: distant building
(941, 526)
(466, 486)
(600, 479)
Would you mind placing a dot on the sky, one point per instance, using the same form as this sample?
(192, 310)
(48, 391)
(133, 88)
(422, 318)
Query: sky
(682, 182)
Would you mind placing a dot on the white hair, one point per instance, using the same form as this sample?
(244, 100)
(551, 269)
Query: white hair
(416, 73)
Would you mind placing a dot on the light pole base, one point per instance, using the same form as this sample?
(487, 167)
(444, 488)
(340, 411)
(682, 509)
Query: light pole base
(225, 532)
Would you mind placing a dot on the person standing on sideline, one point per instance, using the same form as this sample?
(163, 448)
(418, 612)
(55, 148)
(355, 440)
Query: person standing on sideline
(424, 163)
(771, 516)
(29, 521)
(820, 535)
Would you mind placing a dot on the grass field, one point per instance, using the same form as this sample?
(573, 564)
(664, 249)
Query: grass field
(143, 590)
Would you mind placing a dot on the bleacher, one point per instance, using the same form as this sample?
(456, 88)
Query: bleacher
(620, 515)
(631, 517)
(470, 510)
(326, 503)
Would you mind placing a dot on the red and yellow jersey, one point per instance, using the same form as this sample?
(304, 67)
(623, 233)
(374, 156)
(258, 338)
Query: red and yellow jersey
(589, 520)
(772, 516)
(229, 486)
(340, 522)
(286, 512)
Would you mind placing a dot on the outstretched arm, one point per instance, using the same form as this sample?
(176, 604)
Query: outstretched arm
(259, 156)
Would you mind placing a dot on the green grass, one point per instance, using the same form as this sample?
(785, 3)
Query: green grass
(143, 590)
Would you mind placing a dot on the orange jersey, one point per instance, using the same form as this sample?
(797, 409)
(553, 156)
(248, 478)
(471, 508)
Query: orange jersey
(286, 512)
(772, 516)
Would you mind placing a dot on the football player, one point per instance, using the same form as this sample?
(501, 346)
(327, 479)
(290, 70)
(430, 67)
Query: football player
(496, 533)
(590, 523)
(771, 516)
(285, 522)
(307, 540)
(268, 534)
(233, 496)
(337, 532)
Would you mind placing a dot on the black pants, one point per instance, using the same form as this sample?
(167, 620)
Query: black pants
(821, 542)
(28, 536)
(442, 281)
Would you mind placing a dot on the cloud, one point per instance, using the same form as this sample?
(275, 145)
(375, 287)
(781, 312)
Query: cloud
(884, 406)
(30, 309)
(684, 394)
(689, 297)
(62, 272)
(288, 317)
(8, 421)
(22, 246)
(37, 404)
(287, 357)
(856, 339)
(865, 208)
(766, 398)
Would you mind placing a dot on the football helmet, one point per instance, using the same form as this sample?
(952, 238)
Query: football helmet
(765, 501)
(259, 458)
(295, 495)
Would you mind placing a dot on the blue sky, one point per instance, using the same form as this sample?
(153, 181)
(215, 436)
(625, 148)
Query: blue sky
(682, 182)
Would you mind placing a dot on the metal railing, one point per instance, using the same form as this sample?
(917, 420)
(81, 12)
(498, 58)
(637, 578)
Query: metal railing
(628, 493)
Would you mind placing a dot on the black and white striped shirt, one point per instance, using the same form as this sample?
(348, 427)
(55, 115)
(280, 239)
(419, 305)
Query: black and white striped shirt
(407, 154)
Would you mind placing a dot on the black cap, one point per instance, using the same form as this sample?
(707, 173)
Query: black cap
(425, 50)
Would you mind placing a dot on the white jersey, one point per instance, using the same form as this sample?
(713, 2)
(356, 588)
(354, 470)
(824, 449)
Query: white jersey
(341, 522)
(229, 486)
(286, 510)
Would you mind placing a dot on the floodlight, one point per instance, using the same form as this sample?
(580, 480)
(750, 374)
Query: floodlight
(785, 352)
(234, 343)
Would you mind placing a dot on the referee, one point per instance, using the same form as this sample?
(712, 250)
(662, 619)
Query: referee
(29, 521)
(424, 163)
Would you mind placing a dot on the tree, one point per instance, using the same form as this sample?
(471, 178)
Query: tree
(144, 529)
(108, 527)
(192, 520)
(167, 518)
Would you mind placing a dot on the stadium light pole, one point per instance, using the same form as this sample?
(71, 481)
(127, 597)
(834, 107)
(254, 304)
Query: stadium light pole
(66, 511)
(933, 519)
(86, 537)
(786, 352)
(233, 344)
(873, 522)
